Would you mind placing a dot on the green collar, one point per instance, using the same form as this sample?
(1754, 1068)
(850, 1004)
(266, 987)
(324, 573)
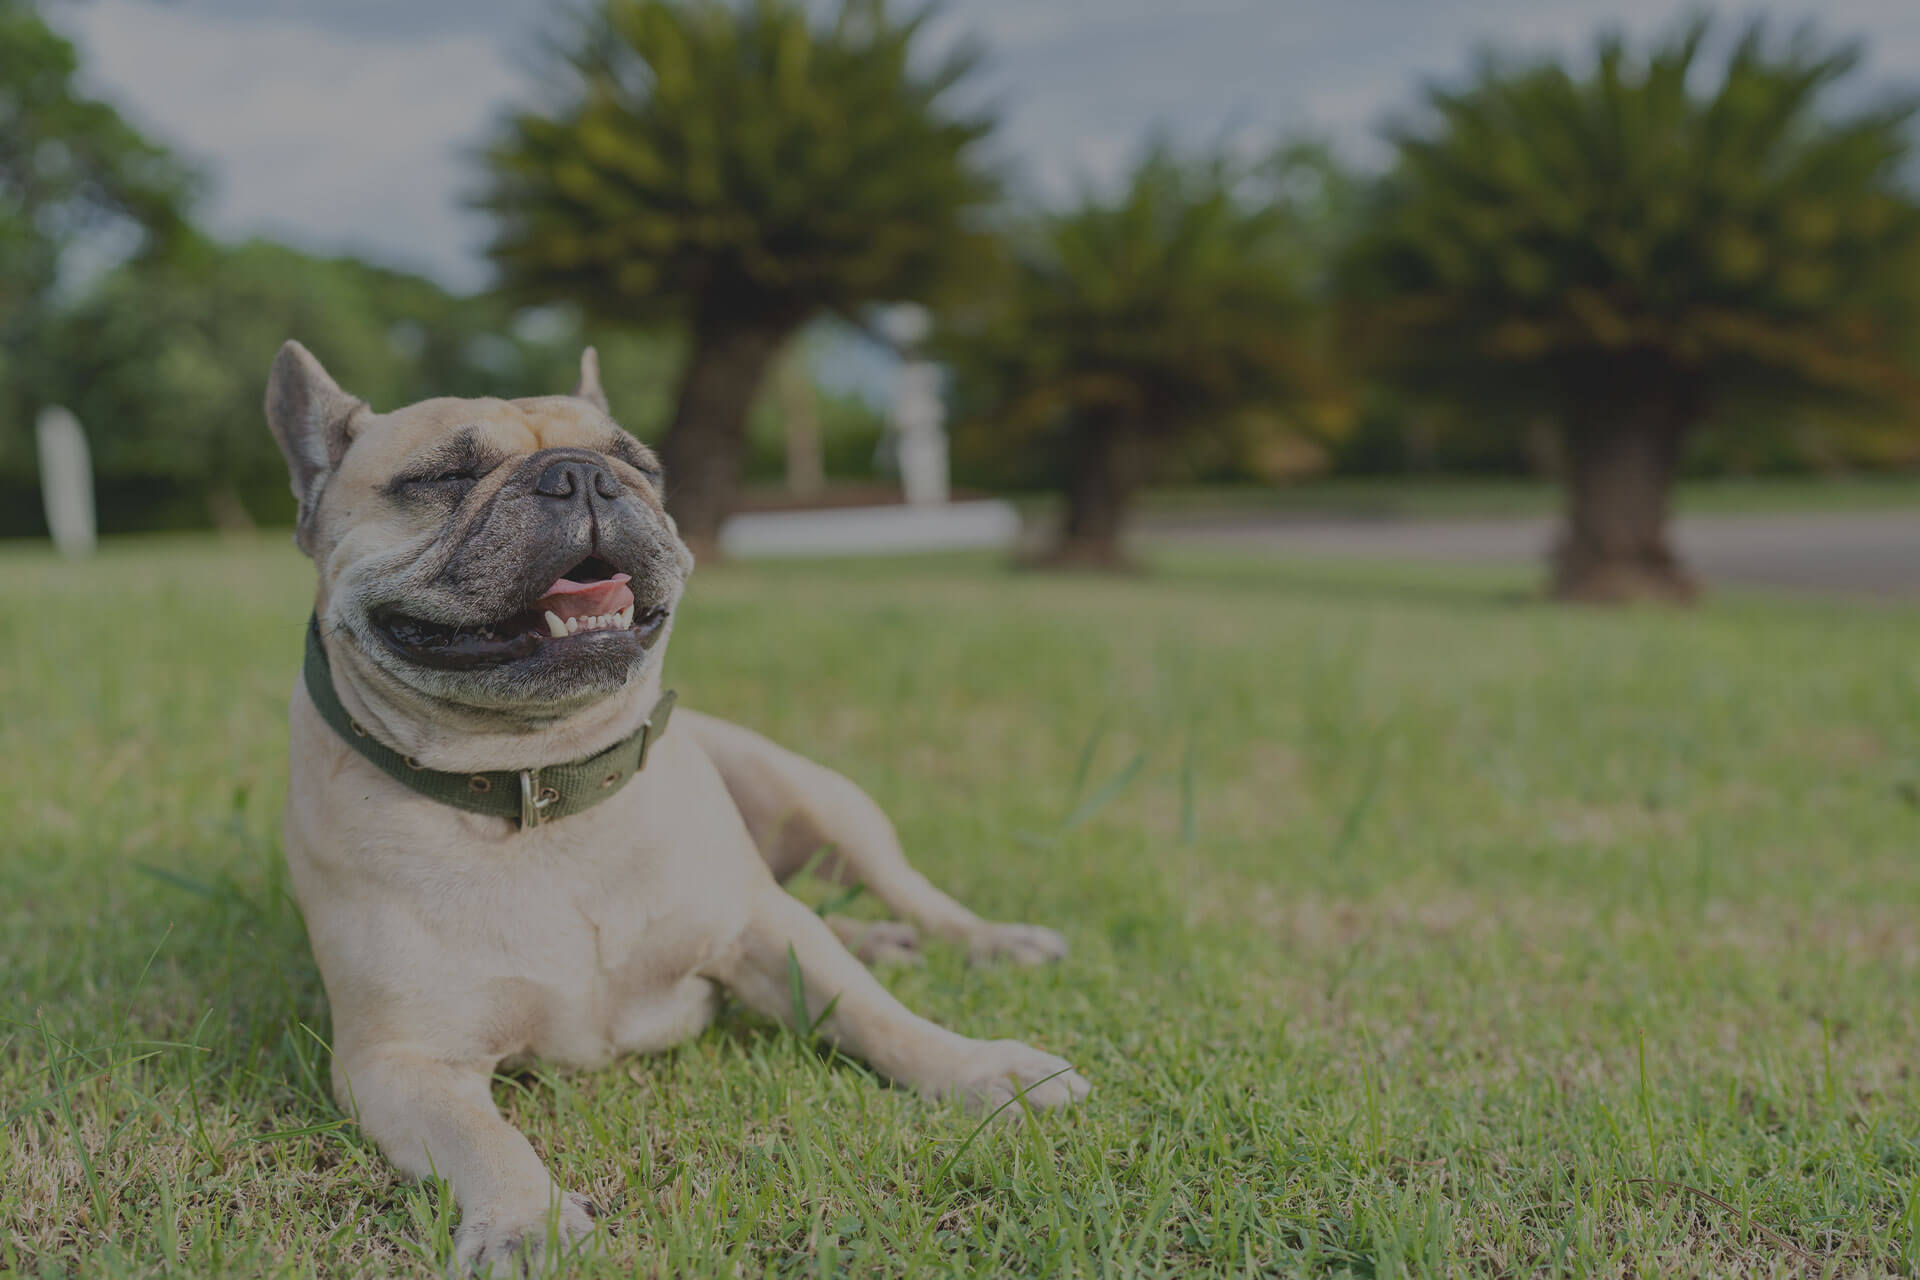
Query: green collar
(526, 796)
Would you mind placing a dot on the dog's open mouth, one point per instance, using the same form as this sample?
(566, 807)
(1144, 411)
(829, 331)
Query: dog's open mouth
(590, 604)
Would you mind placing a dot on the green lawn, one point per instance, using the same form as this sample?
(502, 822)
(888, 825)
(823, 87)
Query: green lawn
(1418, 930)
(1455, 497)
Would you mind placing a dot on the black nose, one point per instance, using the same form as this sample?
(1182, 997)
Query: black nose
(576, 478)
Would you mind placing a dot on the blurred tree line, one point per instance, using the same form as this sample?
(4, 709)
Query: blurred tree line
(1680, 258)
(162, 353)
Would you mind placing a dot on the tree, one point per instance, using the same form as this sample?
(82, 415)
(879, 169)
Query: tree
(163, 359)
(1634, 258)
(737, 169)
(72, 172)
(1130, 323)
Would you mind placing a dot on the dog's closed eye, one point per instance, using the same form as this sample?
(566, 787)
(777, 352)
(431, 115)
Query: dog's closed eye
(453, 482)
(448, 472)
(634, 454)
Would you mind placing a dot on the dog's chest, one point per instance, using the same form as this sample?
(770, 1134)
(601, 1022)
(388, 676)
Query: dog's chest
(573, 942)
(621, 933)
(606, 981)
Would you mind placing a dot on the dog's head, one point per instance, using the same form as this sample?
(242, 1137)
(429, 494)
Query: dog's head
(508, 556)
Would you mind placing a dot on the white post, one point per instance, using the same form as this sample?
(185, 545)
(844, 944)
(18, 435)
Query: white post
(800, 423)
(918, 418)
(66, 481)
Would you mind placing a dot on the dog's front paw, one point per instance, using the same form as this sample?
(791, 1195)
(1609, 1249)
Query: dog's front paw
(1016, 944)
(996, 1072)
(527, 1240)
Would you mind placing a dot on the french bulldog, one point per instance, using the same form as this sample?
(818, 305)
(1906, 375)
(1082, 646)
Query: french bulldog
(498, 583)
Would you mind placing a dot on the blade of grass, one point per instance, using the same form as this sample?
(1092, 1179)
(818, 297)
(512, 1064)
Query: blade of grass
(94, 1190)
(813, 860)
(841, 901)
(178, 881)
(1646, 1107)
(805, 1025)
(826, 1011)
(323, 1126)
(1107, 792)
(1186, 793)
(1362, 801)
(797, 988)
(1019, 1097)
(1087, 752)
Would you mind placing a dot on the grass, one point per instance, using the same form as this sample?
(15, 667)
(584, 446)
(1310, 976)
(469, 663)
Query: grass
(1418, 931)
(1470, 497)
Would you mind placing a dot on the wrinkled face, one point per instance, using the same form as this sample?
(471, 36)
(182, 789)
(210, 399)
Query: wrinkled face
(503, 555)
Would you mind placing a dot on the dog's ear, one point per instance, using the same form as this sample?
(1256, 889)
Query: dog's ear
(312, 419)
(588, 388)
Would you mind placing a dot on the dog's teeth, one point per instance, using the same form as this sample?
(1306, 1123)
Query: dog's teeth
(573, 626)
(554, 624)
(626, 616)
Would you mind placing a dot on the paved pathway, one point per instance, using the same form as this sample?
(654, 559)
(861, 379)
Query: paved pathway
(1862, 553)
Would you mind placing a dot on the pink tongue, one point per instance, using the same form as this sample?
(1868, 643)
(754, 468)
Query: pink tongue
(572, 599)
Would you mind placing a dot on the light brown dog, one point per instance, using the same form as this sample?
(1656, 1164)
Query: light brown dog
(497, 586)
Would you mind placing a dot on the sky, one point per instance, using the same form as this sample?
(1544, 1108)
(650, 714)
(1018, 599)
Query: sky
(351, 125)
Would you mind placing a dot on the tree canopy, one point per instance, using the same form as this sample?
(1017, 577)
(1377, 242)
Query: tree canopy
(738, 169)
(1543, 225)
(1176, 305)
(1631, 256)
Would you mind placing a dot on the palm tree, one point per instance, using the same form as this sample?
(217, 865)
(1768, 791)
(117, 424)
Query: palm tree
(737, 169)
(1634, 259)
(1130, 322)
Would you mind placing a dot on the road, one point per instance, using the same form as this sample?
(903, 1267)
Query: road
(1872, 554)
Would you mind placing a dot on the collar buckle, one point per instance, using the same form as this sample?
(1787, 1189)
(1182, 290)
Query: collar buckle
(534, 798)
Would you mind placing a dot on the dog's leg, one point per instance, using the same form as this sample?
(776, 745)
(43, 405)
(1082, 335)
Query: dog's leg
(862, 1017)
(432, 1118)
(795, 808)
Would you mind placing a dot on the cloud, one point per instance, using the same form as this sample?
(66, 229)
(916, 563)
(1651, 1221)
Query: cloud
(334, 142)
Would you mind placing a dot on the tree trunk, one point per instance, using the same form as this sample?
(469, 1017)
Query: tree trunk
(1619, 474)
(1106, 467)
(705, 448)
